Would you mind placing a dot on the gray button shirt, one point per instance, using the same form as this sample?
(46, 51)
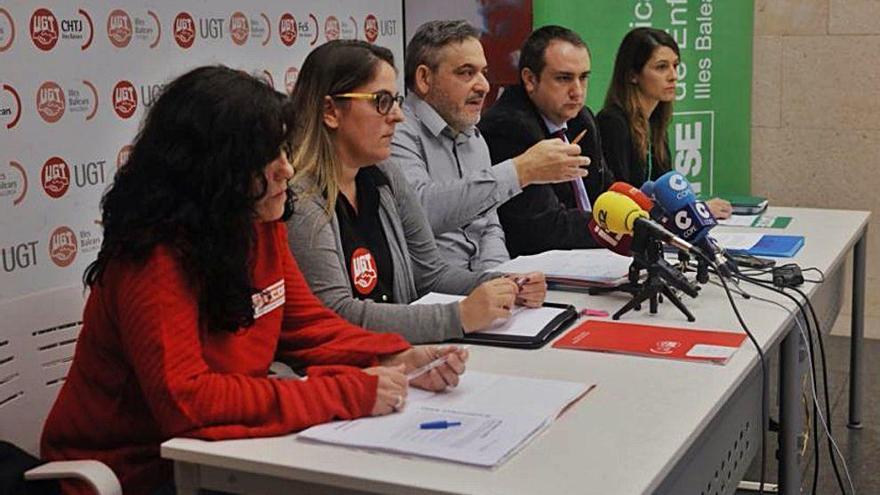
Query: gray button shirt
(453, 177)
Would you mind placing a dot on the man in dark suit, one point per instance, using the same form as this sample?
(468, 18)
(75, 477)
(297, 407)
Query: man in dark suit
(554, 70)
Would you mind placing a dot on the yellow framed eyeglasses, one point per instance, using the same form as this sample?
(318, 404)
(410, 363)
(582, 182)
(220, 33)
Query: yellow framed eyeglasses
(383, 99)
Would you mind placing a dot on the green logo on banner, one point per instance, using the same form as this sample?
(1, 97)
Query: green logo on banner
(692, 139)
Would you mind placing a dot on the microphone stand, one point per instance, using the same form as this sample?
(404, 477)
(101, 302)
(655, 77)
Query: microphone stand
(702, 266)
(648, 253)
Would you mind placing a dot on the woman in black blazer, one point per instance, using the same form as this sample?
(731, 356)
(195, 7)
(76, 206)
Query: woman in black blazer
(638, 109)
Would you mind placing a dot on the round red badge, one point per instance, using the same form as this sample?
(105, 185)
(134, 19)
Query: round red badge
(363, 271)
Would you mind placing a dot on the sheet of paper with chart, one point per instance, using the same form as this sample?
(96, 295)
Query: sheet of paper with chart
(523, 321)
(498, 415)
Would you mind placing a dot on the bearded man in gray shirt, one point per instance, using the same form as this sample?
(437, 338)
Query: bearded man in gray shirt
(446, 160)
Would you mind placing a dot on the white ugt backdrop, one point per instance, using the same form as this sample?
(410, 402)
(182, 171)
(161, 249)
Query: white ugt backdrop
(78, 77)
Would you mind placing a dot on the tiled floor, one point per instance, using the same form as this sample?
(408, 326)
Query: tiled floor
(861, 448)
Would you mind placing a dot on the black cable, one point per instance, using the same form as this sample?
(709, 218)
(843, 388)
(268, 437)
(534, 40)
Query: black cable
(814, 269)
(824, 384)
(770, 286)
(765, 381)
(816, 458)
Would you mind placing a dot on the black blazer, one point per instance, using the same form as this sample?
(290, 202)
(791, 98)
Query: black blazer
(620, 152)
(543, 216)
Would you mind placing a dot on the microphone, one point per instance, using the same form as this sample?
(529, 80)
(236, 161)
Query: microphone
(630, 191)
(688, 217)
(618, 243)
(619, 214)
(648, 188)
(672, 191)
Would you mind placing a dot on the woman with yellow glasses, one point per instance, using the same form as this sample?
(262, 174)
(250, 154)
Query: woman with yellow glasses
(358, 232)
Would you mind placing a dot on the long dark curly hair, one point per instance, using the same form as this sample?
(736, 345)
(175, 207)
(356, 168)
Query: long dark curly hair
(189, 184)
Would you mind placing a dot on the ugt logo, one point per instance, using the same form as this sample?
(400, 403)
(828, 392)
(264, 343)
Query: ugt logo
(55, 177)
(44, 29)
(124, 99)
(7, 30)
(50, 102)
(238, 27)
(119, 28)
(62, 246)
(184, 30)
(363, 271)
(287, 29)
(290, 77)
(331, 28)
(371, 28)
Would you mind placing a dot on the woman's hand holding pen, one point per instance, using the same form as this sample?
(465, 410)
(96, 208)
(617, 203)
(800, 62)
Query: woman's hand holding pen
(491, 300)
(532, 289)
(431, 367)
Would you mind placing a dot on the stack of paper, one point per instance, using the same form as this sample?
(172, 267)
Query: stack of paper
(576, 267)
(498, 415)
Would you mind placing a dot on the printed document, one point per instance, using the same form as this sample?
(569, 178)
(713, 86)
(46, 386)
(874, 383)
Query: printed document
(498, 415)
(737, 241)
(523, 321)
(597, 266)
(760, 221)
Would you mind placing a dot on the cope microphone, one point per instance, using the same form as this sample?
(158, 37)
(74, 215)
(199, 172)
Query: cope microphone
(648, 188)
(619, 214)
(688, 217)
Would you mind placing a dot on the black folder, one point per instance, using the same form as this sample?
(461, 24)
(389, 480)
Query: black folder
(559, 323)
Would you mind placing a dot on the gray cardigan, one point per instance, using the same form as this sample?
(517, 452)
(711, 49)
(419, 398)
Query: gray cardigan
(418, 268)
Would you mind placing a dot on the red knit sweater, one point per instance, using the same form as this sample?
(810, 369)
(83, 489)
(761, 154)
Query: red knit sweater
(145, 372)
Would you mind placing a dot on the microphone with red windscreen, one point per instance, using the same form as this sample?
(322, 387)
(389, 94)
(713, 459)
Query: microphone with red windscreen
(618, 243)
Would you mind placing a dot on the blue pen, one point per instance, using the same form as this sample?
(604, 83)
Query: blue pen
(439, 425)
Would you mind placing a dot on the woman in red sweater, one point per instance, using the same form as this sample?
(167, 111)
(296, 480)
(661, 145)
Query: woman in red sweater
(194, 293)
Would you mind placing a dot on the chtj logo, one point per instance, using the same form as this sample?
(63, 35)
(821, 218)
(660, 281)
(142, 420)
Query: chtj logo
(46, 29)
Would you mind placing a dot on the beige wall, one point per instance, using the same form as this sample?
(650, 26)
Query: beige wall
(816, 112)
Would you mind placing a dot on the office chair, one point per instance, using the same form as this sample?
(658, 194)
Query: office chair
(38, 335)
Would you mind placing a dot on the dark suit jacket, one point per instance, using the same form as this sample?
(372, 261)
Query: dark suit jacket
(543, 216)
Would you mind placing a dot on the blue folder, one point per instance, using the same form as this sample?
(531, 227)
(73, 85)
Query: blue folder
(779, 246)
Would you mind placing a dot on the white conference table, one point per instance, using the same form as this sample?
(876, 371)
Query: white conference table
(650, 425)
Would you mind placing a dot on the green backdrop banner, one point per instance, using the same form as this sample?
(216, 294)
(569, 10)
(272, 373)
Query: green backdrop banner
(710, 133)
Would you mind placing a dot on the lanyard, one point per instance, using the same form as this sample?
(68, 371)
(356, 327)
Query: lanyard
(650, 161)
